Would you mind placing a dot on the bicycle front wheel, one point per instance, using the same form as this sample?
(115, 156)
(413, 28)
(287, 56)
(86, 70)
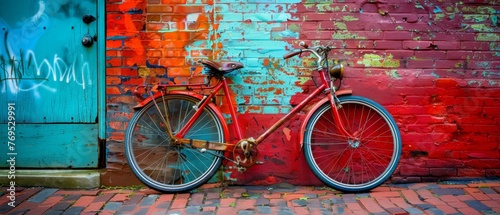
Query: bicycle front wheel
(353, 164)
(162, 165)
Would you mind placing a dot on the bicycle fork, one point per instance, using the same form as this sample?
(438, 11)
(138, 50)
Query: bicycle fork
(335, 104)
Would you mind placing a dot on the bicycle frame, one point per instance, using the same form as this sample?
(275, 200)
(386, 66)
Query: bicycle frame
(222, 85)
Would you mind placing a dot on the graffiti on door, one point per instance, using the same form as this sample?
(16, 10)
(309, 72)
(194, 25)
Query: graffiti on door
(25, 67)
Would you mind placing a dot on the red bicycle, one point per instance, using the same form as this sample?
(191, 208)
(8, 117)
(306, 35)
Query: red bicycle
(177, 138)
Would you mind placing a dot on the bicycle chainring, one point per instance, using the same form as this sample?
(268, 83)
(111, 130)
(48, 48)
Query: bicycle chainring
(245, 153)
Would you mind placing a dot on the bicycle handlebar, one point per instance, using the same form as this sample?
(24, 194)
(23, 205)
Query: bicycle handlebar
(313, 50)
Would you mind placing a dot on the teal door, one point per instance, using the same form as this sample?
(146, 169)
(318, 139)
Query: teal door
(48, 83)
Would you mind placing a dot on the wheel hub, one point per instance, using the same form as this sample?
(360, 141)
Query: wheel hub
(354, 143)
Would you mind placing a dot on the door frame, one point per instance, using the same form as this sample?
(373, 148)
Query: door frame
(101, 82)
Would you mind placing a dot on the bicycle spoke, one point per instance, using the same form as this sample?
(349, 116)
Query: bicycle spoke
(151, 126)
(149, 152)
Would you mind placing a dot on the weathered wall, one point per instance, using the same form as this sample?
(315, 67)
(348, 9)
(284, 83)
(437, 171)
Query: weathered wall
(434, 65)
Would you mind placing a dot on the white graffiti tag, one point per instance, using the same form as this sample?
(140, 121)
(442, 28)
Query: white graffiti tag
(29, 74)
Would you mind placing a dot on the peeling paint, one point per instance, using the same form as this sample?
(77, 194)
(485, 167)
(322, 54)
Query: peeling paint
(144, 72)
(482, 28)
(294, 28)
(346, 35)
(475, 17)
(474, 82)
(393, 73)
(350, 18)
(479, 9)
(439, 17)
(340, 25)
(373, 60)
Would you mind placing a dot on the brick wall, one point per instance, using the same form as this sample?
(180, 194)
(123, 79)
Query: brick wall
(435, 65)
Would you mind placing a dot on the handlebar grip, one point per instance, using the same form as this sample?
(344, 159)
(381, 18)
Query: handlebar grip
(291, 54)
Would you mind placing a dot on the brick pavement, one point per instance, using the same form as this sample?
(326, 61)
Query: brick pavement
(462, 197)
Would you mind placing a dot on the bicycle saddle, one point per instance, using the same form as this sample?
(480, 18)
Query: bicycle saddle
(222, 67)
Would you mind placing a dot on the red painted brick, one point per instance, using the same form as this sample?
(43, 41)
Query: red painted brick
(84, 201)
(93, 207)
(477, 194)
(385, 194)
(471, 172)
(114, 62)
(400, 202)
(356, 208)
(113, 91)
(120, 197)
(113, 80)
(180, 201)
(411, 197)
(227, 202)
(473, 45)
(385, 203)
(159, 9)
(401, 54)
(418, 45)
(450, 64)
(459, 55)
(245, 204)
(189, 9)
(113, 71)
(371, 205)
(420, 64)
(114, 44)
(227, 210)
(443, 172)
(446, 45)
(301, 210)
(398, 35)
(430, 54)
(387, 44)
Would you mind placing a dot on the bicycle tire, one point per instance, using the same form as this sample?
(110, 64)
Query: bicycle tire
(166, 167)
(350, 165)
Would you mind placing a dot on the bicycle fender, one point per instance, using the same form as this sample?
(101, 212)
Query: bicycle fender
(313, 109)
(158, 95)
(195, 95)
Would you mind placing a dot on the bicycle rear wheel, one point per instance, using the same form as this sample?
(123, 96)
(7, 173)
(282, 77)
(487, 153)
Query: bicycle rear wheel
(162, 165)
(353, 165)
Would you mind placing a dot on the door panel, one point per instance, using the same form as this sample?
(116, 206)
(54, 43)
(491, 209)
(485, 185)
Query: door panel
(51, 77)
(45, 68)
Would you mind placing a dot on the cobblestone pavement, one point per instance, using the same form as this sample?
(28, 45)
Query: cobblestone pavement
(463, 197)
